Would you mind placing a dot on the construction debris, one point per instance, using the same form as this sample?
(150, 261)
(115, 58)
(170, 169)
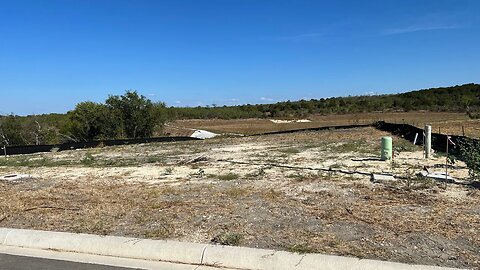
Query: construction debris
(15, 177)
(276, 121)
(382, 178)
(438, 176)
(203, 134)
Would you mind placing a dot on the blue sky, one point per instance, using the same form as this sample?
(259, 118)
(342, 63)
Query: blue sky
(54, 54)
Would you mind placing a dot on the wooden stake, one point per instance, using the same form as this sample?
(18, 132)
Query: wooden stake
(463, 130)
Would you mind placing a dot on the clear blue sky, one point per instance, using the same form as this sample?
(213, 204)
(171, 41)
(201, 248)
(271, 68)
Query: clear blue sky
(56, 53)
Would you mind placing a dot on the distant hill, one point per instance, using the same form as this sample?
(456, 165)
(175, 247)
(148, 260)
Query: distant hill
(460, 98)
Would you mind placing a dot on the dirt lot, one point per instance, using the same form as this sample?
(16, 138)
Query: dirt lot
(259, 191)
(446, 123)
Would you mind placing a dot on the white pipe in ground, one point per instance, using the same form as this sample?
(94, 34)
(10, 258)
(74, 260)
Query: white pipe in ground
(428, 141)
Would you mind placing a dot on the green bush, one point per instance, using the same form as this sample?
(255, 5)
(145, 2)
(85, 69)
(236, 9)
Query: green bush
(88, 159)
(470, 153)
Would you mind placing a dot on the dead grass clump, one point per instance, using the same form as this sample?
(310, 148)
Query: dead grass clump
(290, 150)
(159, 231)
(260, 173)
(301, 248)
(237, 192)
(271, 195)
(227, 177)
(227, 239)
(300, 177)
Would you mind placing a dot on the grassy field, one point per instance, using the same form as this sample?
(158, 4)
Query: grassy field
(283, 192)
(450, 123)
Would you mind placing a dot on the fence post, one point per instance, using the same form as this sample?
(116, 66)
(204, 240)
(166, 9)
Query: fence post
(463, 130)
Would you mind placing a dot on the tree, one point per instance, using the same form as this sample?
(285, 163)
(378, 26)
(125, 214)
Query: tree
(136, 114)
(91, 121)
(11, 132)
(161, 114)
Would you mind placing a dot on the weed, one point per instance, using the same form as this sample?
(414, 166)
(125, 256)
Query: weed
(413, 181)
(259, 173)
(200, 174)
(88, 159)
(169, 171)
(100, 228)
(291, 150)
(227, 177)
(272, 195)
(336, 165)
(236, 192)
(159, 232)
(354, 146)
(402, 145)
(298, 176)
(154, 159)
(227, 239)
(301, 249)
(394, 165)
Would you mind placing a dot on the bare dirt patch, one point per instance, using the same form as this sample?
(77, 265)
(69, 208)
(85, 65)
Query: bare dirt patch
(182, 191)
(254, 126)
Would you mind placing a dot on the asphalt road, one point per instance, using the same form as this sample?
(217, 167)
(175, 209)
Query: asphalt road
(14, 262)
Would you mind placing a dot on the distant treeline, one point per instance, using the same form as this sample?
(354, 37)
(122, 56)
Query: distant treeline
(464, 98)
(134, 116)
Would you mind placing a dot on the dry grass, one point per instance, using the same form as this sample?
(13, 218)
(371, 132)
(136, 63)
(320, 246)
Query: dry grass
(259, 205)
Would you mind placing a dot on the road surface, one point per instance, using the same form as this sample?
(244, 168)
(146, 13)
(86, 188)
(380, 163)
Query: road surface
(14, 262)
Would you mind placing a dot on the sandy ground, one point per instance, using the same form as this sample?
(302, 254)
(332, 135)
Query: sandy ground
(260, 191)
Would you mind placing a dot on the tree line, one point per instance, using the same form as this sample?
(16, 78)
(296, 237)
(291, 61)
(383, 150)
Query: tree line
(133, 116)
(463, 98)
(122, 116)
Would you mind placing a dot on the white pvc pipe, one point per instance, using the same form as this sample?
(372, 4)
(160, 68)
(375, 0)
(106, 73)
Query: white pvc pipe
(428, 141)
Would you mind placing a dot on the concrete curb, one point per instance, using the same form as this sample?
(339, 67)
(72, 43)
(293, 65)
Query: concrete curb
(191, 253)
(97, 260)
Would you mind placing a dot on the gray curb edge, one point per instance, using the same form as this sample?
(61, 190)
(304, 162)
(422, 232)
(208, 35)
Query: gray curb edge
(191, 253)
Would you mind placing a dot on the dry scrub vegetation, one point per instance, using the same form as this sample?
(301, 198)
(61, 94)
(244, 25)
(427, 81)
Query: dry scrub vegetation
(260, 191)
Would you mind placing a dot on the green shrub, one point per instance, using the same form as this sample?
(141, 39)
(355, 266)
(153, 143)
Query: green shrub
(470, 153)
(88, 159)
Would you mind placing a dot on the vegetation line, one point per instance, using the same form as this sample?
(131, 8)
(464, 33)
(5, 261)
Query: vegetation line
(134, 116)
